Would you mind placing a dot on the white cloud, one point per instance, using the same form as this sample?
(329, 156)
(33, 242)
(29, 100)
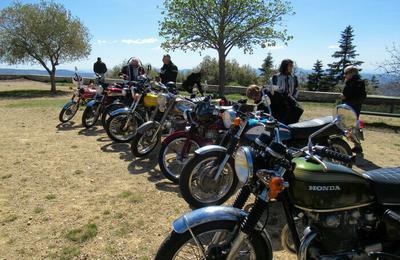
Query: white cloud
(333, 46)
(139, 41)
(102, 42)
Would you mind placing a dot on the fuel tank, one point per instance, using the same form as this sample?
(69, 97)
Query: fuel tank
(337, 188)
(150, 100)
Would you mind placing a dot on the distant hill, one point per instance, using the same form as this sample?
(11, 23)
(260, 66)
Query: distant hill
(59, 73)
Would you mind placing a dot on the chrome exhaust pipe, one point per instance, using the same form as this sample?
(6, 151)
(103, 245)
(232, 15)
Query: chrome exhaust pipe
(308, 237)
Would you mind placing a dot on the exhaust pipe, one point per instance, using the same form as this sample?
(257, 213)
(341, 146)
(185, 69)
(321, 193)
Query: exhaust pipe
(308, 237)
(392, 218)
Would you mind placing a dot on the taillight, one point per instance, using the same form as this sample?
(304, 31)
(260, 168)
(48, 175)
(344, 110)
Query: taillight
(361, 124)
(222, 102)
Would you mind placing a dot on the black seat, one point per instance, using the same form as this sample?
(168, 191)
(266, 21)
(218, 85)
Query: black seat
(303, 130)
(386, 184)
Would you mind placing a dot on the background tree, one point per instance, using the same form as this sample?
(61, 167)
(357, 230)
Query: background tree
(315, 78)
(44, 33)
(267, 68)
(222, 25)
(346, 55)
(374, 82)
(392, 66)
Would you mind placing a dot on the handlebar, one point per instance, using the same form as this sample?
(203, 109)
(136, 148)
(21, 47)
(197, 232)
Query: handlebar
(326, 152)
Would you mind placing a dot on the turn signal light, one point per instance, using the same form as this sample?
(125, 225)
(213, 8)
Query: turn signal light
(275, 187)
(236, 121)
(361, 122)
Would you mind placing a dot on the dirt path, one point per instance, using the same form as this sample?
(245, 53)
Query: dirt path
(57, 179)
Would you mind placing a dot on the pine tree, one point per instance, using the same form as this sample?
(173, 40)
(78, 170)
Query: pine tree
(346, 55)
(267, 68)
(314, 79)
(374, 82)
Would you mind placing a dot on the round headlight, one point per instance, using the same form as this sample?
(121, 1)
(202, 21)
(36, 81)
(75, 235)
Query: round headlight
(123, 92)
(244, 164)
(346, 117)
(162, 100)
(228, 117)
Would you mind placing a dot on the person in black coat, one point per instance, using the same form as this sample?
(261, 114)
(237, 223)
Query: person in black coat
(354, 91)
(169, 70)
(100, 68)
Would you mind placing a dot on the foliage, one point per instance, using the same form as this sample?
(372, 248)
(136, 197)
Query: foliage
(346, 55)
(45, 33)
(267, 68)
(315, 78)
(221, 25)
(236, 75)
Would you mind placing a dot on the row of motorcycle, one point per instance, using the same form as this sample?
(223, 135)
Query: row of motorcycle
(216, 148)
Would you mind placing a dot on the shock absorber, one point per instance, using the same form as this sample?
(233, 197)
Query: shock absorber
(254, 215)
(242, 197)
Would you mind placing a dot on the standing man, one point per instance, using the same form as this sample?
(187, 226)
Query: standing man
(354, 91)
(100, 68)
(132, 70)
(169, 70)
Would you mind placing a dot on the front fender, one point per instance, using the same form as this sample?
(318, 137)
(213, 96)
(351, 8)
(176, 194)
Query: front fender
(69, 103)
(150, 124)
(210, 148)
(207, 214)
(91, 103)
(183, 134)
(124, 110)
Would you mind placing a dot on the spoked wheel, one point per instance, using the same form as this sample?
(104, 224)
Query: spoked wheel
(184, 246)
(341, 146)
(197, 183)
(89, 117)
(68, 112)
(286, 236)
(119, 129)
(174, 155)
(107, 112)
(142, 143)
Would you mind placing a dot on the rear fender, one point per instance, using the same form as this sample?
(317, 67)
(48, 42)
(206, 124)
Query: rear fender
(148, 125)
(210, 148)
(208, 214)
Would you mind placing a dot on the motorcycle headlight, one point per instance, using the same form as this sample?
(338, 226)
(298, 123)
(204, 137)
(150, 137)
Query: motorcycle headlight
(123, 92)
(244, 164)
(228, 117)
(162, 100)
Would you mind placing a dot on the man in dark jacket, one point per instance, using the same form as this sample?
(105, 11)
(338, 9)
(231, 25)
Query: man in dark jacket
(354, 92)
(100, 68)
(169, 70)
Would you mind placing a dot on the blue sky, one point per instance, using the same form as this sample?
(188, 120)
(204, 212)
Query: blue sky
(124, 28)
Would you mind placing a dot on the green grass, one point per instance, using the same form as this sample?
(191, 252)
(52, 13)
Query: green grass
(31, 93)
(38, 210)
(82, 234)
(7, 176)
(35, 103)
(50, 197)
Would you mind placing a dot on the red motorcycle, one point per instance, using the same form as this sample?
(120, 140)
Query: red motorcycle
(205, 126)
(81, 95)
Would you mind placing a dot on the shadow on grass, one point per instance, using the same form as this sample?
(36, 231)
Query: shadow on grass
(123, 149)
(68, 126)
(365, 164)
(93, 131)
(31, 93)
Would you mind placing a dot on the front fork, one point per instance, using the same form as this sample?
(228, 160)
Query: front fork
(166, 113)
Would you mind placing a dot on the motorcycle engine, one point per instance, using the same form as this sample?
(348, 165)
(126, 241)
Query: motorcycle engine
(342, 232)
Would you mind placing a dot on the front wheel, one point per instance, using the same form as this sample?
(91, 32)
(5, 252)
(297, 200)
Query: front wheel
(107, 112)
(90, 116)
(183, 246)
(174, 154)
(121, 128)
(68, 112)
(197, 183)
(341, 146)
(142, 144)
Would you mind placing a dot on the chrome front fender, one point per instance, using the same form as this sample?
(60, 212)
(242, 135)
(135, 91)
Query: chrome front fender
(207, 214)
(210, 148)
(150, 124)
(125, 110)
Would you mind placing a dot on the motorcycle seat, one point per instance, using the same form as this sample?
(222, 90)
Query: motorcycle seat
(197, 99)
(223, 108)
(304, 129)
(386, 184)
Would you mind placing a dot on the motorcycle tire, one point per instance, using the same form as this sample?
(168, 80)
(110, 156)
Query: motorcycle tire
(108, 111)
(116, 138)
(135, 145)
(167, 171)
(341, 146)
(89, 114)
(260, 243)
(66, 110)
(185, 180)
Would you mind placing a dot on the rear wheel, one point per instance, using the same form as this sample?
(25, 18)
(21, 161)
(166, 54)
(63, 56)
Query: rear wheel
(90, 117)
(183, 246)
(174, 154)
(68, 112)
(197, 183)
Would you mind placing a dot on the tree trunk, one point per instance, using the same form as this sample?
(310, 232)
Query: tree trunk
(53, 81)
(221, 76)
